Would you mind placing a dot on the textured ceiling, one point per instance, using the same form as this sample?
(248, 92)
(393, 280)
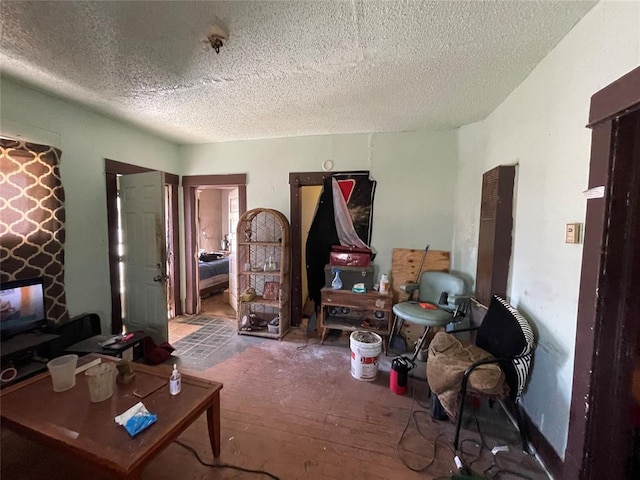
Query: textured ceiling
(288, 68)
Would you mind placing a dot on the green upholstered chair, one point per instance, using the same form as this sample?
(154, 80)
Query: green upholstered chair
(441, 300)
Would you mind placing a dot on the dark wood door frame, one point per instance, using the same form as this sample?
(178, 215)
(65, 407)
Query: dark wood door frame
(607, 328)
(190, 185)
(297, 181)
(112, 170)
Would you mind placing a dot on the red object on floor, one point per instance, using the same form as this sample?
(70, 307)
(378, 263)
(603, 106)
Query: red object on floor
(155, 354)
(399, 375)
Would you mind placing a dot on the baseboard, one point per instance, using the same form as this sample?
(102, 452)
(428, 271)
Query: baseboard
(545, 452)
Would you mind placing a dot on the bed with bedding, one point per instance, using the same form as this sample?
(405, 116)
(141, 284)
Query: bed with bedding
(214, 273)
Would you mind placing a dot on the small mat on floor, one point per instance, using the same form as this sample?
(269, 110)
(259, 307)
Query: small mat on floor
(196, 348)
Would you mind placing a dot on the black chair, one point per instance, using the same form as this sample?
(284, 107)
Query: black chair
(497, 366)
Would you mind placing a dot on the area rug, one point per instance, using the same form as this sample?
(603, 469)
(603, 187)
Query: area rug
(198, 349)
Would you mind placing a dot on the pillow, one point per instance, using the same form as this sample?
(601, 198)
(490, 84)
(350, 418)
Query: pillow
(506, 333)
(209, 257)
(501, 332)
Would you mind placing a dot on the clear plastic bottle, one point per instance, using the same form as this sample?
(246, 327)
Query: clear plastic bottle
(384, 284)
(175, 382)
(336, 283)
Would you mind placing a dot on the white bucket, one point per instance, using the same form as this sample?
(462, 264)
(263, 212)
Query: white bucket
(365, 348)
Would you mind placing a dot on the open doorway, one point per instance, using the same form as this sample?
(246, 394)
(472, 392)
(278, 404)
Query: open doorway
(298, 200)
(212, 206)
(170, 269)
(216, 219)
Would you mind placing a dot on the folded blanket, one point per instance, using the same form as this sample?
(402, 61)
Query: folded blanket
(448, 359)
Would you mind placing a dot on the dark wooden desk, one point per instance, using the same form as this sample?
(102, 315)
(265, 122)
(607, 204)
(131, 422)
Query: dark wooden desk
(134, 348)
(345, 310)
(69, 421)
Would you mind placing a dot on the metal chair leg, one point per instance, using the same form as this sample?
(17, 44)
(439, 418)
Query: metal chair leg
(521, 427)
(463, 395)
(393, 329)
(420, 344)
(396, 327)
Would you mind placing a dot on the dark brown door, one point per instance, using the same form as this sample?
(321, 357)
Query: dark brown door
(601, 424)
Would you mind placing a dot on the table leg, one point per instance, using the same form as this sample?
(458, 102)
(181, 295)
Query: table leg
(325, 331)
(134, 474)
(213, 422)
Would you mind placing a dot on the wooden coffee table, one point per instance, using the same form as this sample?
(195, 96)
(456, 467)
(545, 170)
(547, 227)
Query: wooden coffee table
(69, 421)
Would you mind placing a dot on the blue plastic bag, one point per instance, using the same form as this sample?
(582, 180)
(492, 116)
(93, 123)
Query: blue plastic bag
(139, 422)
(136, 419)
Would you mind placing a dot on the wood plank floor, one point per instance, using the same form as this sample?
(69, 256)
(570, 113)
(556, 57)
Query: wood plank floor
(293, 409)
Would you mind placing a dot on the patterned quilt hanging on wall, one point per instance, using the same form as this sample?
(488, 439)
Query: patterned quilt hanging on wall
(32, 220)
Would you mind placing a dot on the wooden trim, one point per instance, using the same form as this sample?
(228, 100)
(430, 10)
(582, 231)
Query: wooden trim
(234, 179)
(171, 179)
(114, 273)
(587, 301)
(190, 185)
(175, 236)
(604, 322)
(296, 181)
(190, 248)
(550, 458)
(617, 97)
(242, 199)
(119, 168)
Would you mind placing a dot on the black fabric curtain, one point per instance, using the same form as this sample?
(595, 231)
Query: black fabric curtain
(358, 191)
(322, 235)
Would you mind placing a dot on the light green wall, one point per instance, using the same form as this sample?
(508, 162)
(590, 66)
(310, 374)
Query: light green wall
(85, 139)
(541, 127)
(420, 176)
(413, 204)
(415, 174)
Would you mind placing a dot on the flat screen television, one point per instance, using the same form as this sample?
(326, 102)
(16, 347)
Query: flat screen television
(21, 307)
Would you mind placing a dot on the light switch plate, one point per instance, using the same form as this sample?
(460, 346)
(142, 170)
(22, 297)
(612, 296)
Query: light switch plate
(572, 233)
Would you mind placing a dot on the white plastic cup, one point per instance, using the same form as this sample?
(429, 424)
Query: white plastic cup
(101, 378)
(63, 372)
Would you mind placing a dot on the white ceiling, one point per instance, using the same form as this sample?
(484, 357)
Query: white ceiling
(288, 68)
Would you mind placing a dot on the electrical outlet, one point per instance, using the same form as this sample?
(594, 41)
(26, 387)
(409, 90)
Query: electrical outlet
(572, 233)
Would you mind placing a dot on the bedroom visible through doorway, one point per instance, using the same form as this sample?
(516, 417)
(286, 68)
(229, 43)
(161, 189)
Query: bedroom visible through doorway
(212, 206)
(216, 218)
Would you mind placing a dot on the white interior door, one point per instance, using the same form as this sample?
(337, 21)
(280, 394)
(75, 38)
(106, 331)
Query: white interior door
(144, 233)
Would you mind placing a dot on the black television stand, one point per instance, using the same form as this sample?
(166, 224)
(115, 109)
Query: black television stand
(19, 352)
